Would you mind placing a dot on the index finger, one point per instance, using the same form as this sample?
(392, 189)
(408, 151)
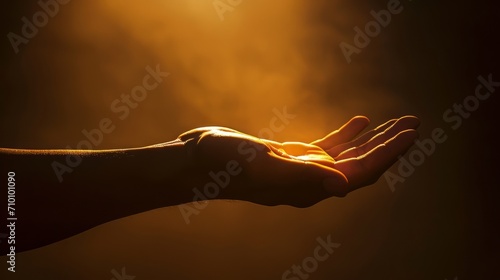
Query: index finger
(344, 134)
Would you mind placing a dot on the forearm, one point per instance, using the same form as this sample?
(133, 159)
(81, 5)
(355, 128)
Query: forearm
(103, 186)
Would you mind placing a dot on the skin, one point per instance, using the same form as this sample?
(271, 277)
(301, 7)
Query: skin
(141, 179)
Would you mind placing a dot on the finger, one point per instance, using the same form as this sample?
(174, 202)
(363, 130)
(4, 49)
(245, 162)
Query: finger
(403, 123)
(344, 134)
(335, 151)
(366, 170)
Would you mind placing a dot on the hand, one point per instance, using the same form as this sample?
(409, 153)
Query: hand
(242, 166)
(302, 174)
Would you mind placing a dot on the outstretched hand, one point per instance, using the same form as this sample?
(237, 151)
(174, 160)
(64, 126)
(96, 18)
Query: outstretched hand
(302, 174)
(239, 166)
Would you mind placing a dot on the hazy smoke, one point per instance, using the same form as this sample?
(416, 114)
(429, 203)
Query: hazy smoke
(263, 55)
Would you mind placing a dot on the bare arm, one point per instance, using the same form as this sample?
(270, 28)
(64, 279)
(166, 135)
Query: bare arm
(104, 186)
(220, 162)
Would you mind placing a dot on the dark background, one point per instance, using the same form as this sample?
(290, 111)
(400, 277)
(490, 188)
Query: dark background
(441, 223)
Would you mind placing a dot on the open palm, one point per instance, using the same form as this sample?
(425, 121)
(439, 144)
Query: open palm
(302, 174)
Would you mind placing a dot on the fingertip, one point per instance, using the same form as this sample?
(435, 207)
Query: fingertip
(361, 119)
(413, 120)
(357, 123)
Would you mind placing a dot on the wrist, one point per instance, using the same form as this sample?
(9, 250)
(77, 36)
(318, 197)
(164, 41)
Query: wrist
(168, 169)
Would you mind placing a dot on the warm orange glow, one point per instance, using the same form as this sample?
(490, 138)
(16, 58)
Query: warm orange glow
(263, 55)
(266, 59)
